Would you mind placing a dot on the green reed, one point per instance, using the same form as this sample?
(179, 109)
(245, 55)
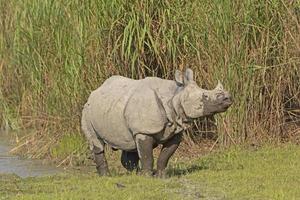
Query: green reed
(54, 53)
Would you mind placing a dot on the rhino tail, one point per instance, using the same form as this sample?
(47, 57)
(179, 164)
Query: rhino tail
(89, 131)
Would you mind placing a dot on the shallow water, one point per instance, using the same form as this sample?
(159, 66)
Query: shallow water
(12, 164)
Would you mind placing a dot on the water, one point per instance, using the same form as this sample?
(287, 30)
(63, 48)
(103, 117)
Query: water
(12, 164)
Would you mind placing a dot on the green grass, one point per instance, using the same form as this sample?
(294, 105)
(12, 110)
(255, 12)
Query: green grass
(267, 173)
(264, 174)
(89, 187)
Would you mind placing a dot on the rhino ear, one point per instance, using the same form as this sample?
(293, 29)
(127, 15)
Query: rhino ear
(189, 76)
(178, 77)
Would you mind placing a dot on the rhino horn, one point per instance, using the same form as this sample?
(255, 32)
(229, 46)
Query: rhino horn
(219, 86)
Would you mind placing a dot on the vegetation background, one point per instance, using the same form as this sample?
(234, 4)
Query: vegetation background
(53, 53)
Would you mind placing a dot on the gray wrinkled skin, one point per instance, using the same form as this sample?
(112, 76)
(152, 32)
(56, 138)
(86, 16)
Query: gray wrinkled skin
(122, 108)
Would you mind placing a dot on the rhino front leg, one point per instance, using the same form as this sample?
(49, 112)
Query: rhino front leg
(167, 151)
(100, 160)
(145, 151)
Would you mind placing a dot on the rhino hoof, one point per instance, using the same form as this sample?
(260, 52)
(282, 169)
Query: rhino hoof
(148, 173)
(102, 171)
(161, 174)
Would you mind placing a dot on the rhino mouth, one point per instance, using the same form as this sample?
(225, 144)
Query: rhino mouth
(225, 106)
(226, 103)
(219, 107)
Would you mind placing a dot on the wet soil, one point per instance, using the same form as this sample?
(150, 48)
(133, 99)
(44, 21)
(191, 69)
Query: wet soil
(13, 164)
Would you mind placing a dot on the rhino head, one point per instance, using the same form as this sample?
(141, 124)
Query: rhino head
(191, 101)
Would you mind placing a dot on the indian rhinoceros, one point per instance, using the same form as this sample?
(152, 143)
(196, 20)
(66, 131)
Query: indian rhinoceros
(136, 115)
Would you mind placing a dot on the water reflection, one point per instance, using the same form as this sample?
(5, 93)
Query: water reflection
(12, 164)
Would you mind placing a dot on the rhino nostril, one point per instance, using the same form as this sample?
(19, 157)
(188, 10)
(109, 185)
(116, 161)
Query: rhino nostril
(224, 97)
(227, 100)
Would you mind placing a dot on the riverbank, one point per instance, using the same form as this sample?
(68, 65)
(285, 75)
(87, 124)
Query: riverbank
(23, 167)
(264, 173)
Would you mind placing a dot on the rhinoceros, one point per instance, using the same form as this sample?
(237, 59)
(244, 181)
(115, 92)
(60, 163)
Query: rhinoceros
(135, 116)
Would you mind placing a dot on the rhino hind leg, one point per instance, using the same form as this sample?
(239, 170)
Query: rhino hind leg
(95, 143)
(100, 160)
(130, 160)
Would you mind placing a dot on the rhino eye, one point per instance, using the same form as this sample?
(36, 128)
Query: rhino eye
(199, 107)
(220, 96)
(205, 96)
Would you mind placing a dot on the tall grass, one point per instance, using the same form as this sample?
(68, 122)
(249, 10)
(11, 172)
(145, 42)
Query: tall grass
(54, 52)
